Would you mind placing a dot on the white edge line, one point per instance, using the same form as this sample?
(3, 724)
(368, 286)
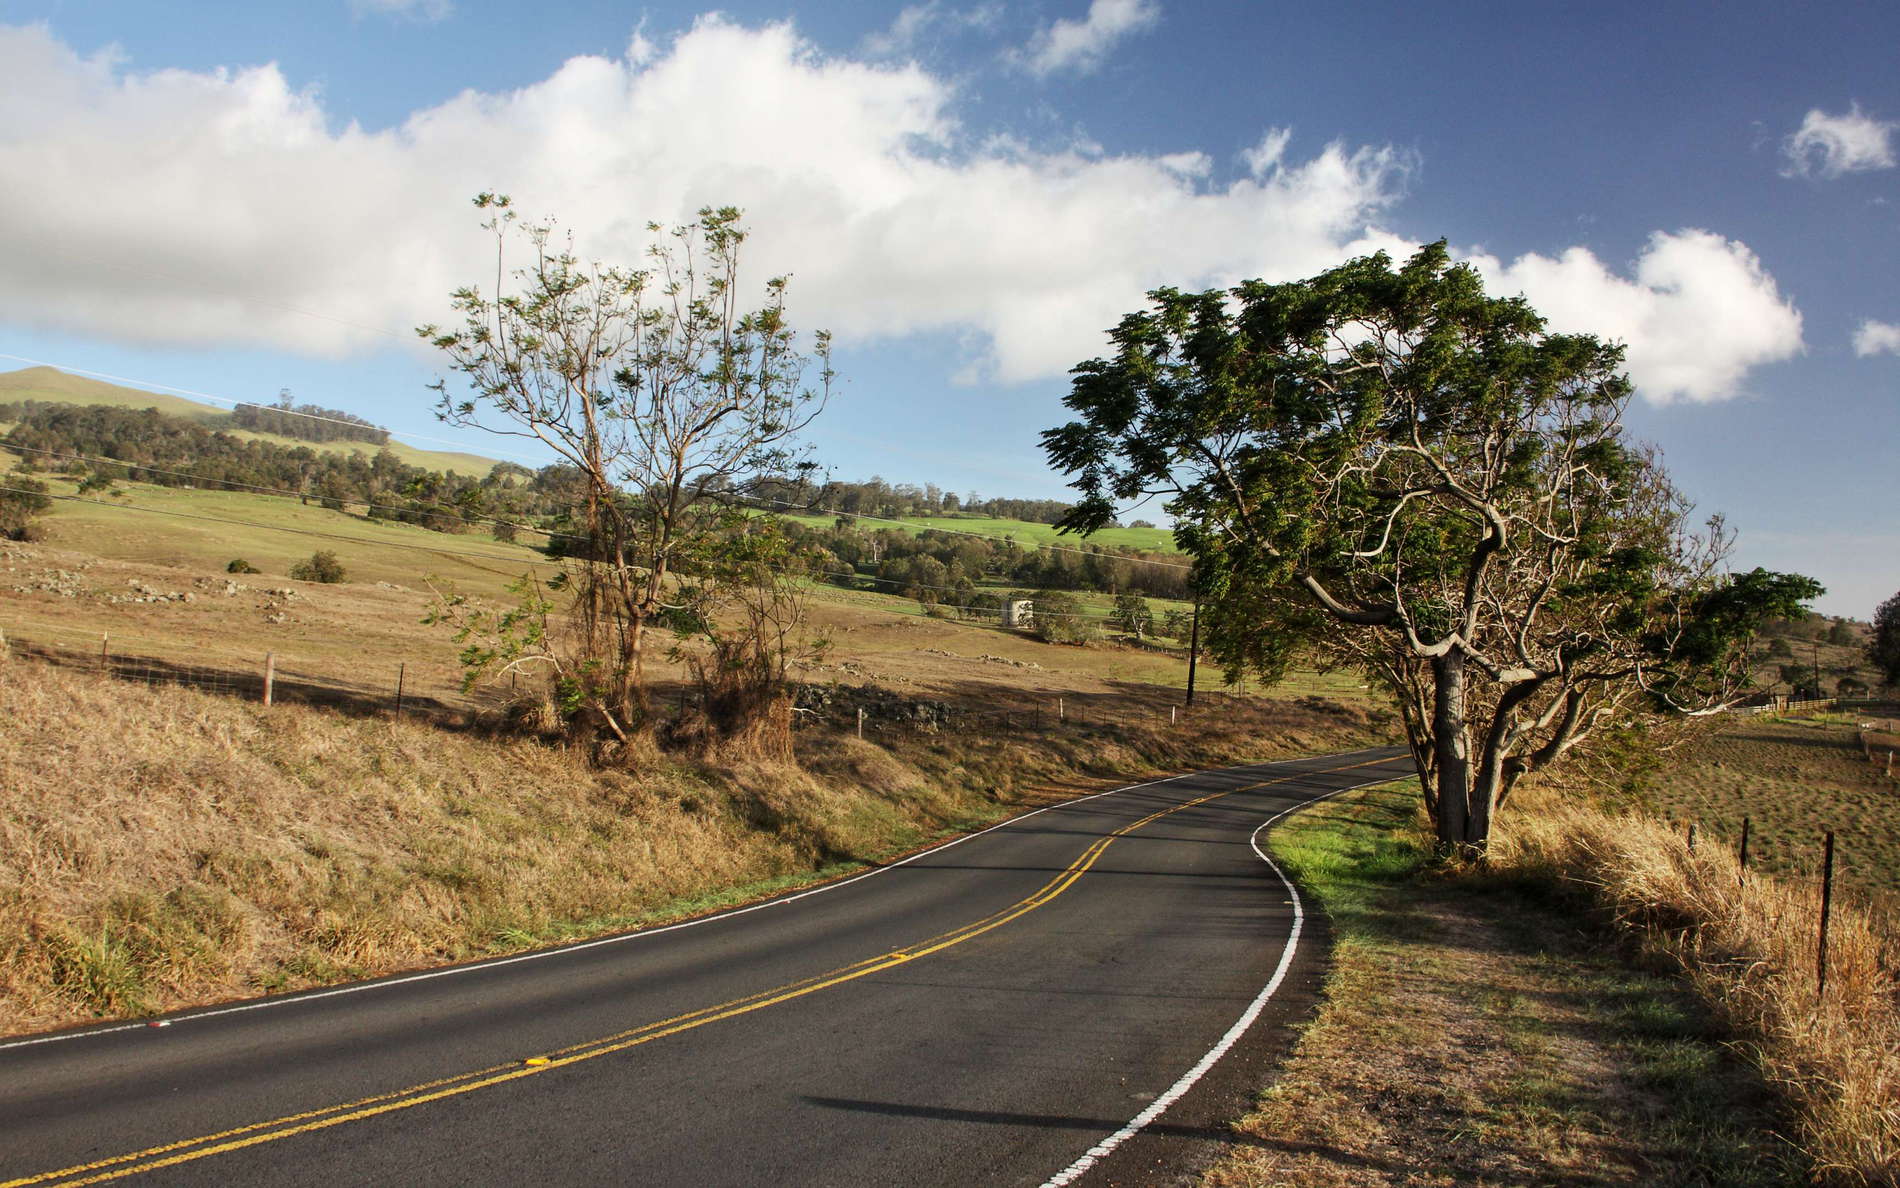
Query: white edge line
(1156, 1108)
(618, 938)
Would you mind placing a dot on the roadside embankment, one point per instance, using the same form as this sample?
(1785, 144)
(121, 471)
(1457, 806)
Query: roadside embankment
(161, 847)
(1599, 1005)
(1750, 946)
(1476, 1029)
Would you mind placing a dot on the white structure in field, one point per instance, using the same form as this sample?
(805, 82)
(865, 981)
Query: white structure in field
(1018, 612)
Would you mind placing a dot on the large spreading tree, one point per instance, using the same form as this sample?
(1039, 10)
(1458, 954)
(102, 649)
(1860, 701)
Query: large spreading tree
(1390, 469)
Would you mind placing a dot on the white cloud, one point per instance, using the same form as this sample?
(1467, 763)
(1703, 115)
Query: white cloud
(1265, 157)
(208, 208)
(1697, 314)
(1876, 338)
(1830, 145)
(427, 11)
(1080, 46)
(915, 22)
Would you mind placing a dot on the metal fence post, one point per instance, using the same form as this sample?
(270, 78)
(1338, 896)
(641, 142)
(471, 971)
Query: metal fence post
(1827, 904)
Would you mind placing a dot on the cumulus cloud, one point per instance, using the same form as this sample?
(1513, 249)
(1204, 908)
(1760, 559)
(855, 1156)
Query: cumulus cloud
(1876, 338)
(1697, 312)
(1080, 46)
(213, 208)
(1830, 145)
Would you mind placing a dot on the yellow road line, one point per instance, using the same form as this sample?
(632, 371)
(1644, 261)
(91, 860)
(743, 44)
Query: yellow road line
(256, 1133)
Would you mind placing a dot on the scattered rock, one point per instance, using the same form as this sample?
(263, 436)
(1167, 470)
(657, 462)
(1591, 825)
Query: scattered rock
(66, 583)
(842, 703)
(986, 658)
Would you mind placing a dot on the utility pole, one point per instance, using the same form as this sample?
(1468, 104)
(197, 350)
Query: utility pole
(1194, 649)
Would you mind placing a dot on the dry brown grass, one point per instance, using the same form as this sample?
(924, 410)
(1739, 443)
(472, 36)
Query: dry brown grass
(161, 847)
(1749, 947)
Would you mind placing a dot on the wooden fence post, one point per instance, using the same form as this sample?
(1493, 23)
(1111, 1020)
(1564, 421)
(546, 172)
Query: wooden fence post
(860, 722)
(270, 675)
(1827, 904)
(105, 660)
(1061, 715)
(1741, 859)
(402, 670)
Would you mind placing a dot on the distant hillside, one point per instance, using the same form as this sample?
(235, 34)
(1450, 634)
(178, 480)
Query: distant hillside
(57, 387)
(1791, 654)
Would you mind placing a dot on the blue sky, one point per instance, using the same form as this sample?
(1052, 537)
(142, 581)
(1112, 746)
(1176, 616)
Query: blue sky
(237, 198)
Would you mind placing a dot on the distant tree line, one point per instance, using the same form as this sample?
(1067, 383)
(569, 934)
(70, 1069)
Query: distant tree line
(182, 453)
(307, 422)
(875, 497)
(948, 569)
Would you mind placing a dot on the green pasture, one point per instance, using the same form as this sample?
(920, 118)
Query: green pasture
(1022, 531)
(204, 530)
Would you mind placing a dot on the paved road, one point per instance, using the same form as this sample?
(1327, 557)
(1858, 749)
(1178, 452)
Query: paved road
(983, 1013)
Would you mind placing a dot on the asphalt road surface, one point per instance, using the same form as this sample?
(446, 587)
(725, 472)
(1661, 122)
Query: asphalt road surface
(1051, 999)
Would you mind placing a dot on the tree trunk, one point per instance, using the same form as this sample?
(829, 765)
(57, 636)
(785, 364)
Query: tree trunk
(1451, 748)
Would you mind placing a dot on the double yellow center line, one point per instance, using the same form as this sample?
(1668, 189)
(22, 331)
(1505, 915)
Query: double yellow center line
(256, 1133)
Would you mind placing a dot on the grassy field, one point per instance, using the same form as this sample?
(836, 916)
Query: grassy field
(1156, 540)
(1793, 778)
(57, 387)
(1477, 1030)
(361, 632)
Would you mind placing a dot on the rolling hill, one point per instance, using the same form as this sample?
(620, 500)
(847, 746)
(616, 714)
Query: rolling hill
(53, 386)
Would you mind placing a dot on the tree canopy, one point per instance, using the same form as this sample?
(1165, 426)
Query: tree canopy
(1386, 467)
(1883, 648)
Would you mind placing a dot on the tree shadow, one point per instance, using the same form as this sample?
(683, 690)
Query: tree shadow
(1212, 1134)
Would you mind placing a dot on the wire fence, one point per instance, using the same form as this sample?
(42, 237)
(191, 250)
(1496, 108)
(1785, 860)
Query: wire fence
(1879, 909)
(370, 685)
(404, 688)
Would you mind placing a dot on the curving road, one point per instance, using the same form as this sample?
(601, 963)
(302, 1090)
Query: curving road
(1033, 1004)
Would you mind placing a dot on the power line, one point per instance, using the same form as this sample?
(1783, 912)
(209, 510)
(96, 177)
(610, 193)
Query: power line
(434, 509)
(357, 540)
(464, 446)
(163, 511)
(1055, 548)
(195, 395)
(551, 534)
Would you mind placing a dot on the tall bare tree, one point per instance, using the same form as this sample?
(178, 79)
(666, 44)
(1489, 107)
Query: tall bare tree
(659, 385)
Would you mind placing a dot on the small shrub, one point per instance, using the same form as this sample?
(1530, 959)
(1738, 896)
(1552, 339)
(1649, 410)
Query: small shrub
(1058, 618)
(240, 565)
(22, 500)
(322, 566)
(98, 480)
